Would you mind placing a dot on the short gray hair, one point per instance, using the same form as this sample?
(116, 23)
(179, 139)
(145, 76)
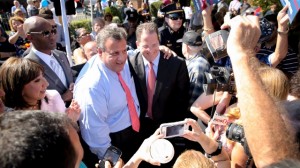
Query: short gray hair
(116, 33)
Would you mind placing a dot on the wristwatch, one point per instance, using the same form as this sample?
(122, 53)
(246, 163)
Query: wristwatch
(217, 151)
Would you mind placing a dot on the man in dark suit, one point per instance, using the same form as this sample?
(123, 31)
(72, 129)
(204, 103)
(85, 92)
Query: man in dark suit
(57, 68)
(162, 85)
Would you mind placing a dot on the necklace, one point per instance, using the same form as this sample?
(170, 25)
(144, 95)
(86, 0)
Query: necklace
(35, 107)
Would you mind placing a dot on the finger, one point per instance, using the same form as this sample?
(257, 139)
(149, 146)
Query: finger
(157, 134)
(284, 20)
(284, 9)
(153, 162)
(225, 25)
(119, 164)
(187, 136)
(107, 164)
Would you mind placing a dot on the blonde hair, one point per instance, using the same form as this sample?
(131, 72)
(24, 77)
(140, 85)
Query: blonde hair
(233, 113)
(193, 159)
(275, 82)
(15, 18)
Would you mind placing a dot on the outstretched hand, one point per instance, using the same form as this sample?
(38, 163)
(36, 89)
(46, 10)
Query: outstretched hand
(207, 11)
(73, 111)
(195, 133)
(283, 19)
(144, 150)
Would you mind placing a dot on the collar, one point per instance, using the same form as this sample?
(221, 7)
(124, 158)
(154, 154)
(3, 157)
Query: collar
(45, 57)
(40, 53)
(155, 61)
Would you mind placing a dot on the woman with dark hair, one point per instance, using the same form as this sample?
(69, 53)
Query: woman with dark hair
(25, 88)
(82, 37)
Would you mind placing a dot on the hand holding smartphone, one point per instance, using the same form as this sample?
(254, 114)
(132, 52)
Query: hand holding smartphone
(112, 155)
(174, 129)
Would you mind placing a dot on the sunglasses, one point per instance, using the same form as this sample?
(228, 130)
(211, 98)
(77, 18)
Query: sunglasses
(45, 33)
(175, 17)
(84, 35)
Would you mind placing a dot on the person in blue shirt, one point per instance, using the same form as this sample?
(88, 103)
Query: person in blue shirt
(105, 117)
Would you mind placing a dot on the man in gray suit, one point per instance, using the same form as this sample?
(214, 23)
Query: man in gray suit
(57, 68)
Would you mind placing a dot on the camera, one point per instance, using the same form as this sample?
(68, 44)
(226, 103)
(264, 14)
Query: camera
(219, 79)
(216, 43)
(173, 129)
(235, 132)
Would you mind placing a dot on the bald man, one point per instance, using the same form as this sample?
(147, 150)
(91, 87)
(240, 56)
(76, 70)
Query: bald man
(90, 49)
(57, 68)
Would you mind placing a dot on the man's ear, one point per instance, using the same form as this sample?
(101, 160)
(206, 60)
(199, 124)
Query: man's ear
(137, 44)
(100, 52)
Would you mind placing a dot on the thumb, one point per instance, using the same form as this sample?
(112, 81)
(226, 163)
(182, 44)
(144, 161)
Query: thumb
(225, 26)
(107, 164)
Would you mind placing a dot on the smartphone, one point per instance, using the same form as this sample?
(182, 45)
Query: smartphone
(173, 129)
(112, 155)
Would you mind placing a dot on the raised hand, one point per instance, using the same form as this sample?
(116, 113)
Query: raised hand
(243, 36)
(74, 110)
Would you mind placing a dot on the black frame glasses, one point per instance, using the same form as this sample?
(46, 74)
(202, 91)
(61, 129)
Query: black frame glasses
(45, 33)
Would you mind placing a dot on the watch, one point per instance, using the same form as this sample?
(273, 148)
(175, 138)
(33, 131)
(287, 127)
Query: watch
(217, 151)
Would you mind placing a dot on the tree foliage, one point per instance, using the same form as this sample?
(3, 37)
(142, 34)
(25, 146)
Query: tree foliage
(265, 4)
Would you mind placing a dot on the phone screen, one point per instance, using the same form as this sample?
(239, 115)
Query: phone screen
(112, 155)
(175, 130)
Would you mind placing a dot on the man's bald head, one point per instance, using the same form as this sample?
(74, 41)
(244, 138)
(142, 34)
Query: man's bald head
(41, 34)
(34, 24)
(90, 49)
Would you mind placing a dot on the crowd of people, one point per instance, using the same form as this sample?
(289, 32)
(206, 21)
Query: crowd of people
(128, 79)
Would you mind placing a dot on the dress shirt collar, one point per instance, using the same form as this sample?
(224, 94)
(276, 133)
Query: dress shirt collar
(155, 61)
(45, 57)
(107, 70)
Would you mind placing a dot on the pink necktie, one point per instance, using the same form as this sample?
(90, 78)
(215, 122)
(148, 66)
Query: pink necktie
(135, 122)
(150, 88)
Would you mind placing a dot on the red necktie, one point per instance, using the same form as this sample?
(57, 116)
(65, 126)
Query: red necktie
(150, 88)
(135, 122)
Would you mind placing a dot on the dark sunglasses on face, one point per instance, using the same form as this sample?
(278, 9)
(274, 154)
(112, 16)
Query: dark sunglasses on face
(45, 33)
(175, 17)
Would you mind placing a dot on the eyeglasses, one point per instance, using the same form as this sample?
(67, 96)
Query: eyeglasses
(84, 35)
(45, 33)
(176, 17)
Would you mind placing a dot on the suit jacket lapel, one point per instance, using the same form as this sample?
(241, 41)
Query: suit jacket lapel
(63, 65)
(140, 71)
(50, 75)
